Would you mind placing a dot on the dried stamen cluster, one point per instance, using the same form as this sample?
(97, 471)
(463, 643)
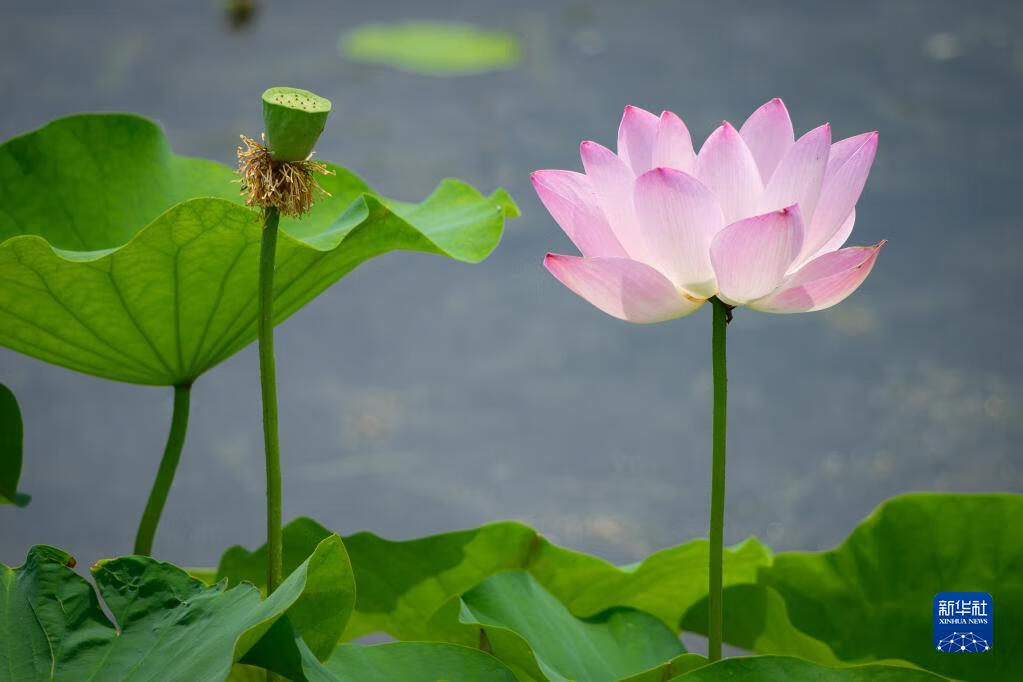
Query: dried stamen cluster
(289, 186)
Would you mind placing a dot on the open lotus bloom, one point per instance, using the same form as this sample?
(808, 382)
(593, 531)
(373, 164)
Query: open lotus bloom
(756, 218)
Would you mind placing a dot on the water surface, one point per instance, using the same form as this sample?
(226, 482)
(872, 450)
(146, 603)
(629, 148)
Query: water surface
(420, 395)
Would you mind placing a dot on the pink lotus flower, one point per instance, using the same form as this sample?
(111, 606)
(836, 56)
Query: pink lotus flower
(756, 218)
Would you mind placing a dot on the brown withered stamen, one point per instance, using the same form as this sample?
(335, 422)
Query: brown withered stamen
(289, 186)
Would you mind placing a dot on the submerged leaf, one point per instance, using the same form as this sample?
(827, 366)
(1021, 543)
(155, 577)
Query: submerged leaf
(168, 625)
(432, 48)
(123, 260)
(11, 435)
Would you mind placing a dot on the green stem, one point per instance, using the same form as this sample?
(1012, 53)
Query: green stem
(165, 475)
(268, 383)
(717, 485)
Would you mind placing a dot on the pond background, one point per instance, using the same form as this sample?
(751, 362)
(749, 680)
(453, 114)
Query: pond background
(420, 395)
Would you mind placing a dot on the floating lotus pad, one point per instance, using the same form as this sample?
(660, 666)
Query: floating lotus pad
(432, 48)
(121, 259)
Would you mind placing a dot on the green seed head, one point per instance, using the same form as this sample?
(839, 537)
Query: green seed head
(293, 120)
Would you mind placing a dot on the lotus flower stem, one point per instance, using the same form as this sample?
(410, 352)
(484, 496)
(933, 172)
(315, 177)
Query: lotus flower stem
(268, 384)
(165, 474)
(722, 315)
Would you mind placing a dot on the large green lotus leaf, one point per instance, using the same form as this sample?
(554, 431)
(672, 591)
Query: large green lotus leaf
(328, 597)
(402, 583)
(527, 628)
(11, 434)
(433, 662)
(870, 599)
(665, 584)
(91, 182)
(756, 619)
(318, 619)
(391, 662)
(410, 662)
(670, 669)
(775, 668)
(204, 574)
(169, 626)
(787, 669)
(123, 260)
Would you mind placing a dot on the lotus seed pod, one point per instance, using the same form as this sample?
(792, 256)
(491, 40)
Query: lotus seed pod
(293, 120)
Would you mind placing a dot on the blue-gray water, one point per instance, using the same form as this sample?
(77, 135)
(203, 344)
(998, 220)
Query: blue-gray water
(420, 395)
